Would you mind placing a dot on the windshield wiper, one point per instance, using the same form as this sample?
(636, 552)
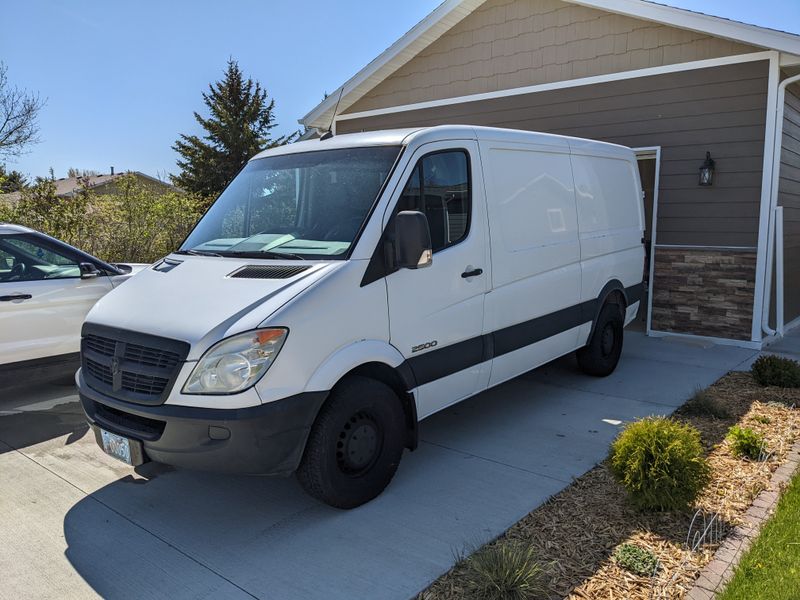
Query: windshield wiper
(265, 254)
(198, 253)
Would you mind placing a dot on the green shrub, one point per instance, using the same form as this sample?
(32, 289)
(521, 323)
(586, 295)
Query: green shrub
(746, 443)
(703, 404)
(776, 370)
(660, 462)
(763, 419)
(505, 571)
(636, 560)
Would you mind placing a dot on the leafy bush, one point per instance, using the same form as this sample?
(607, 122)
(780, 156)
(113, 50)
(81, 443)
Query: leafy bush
(136, 223)
(746, 443)
(506, 571)
(703, 404)
(660, 462)
(776, 370)
(636, 560)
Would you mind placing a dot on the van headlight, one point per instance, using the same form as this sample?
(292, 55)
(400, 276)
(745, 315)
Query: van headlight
(236, 363)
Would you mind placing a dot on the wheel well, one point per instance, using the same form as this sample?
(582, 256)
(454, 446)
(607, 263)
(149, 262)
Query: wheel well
(391, 377)
(616, 297)
(611, 294)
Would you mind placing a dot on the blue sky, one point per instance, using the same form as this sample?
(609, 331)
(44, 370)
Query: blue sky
(122, 79)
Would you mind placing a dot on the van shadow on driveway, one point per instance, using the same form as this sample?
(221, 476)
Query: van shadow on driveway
(481, 466)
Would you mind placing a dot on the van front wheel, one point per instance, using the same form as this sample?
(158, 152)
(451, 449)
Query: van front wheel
(601, 355)
(355, 444)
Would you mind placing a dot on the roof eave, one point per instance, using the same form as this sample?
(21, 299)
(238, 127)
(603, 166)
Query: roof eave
(445, 16)
(770, 39)
(437, 22)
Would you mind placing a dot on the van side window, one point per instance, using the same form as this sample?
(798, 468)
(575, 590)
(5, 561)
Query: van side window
(440, 188)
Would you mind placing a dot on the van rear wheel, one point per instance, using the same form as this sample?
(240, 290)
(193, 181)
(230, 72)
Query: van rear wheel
(601, 355)
(355, 444)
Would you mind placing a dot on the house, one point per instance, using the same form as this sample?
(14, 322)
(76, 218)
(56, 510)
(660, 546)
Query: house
(686, 90)
(100, 184)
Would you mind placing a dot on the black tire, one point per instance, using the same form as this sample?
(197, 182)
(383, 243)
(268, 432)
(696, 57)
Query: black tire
(601, 355)
(355, 444)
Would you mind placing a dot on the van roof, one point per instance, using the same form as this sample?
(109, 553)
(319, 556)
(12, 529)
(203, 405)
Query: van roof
(403, 137)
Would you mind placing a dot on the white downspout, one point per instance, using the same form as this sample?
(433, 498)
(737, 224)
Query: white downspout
(773, 204)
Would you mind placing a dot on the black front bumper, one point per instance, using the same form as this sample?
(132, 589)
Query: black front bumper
(266, 440)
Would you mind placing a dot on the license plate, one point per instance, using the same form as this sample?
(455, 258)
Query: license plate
(117, 446)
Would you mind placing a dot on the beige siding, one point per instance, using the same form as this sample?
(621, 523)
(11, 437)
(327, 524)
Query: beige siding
(513, 43)
(789, 198)
(720, 109)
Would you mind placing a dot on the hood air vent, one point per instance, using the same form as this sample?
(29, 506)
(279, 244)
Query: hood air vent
(166, 265)
(268, 271)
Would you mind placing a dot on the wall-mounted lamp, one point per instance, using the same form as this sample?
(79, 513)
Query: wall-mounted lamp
(707, 171)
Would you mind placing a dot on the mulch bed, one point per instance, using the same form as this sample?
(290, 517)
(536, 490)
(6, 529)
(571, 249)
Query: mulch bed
(575, 532)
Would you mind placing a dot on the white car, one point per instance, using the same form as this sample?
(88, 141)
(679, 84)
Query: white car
(46, 289)
(339, 291)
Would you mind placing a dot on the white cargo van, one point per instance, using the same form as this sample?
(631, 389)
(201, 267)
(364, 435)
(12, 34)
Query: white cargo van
(339, 291)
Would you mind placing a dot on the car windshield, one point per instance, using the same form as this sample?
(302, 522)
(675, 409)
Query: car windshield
(295, 206)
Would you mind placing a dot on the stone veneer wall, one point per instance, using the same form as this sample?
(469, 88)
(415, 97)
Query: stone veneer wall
(704, 291)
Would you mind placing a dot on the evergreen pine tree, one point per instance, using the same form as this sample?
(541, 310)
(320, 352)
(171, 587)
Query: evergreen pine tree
(11, 181)
(241, 119)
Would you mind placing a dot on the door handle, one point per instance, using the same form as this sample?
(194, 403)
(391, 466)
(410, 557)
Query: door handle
(15, 297)
(472, 273)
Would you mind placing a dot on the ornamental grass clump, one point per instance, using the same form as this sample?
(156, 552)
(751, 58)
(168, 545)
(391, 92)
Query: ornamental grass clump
(636, 560)
(506, 571)
(660, 462)
(746, 443)
(704, 404)
(777, 371)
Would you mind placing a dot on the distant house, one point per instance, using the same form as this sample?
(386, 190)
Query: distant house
(101, 184)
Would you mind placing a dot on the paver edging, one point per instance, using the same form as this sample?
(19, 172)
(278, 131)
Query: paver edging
(716, 574)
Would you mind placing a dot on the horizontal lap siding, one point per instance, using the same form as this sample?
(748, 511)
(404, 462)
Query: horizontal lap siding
(789, 198)
(721, 110)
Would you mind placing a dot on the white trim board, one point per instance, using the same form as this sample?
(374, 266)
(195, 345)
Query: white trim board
(451, 12)
(569, 83)
(737, 31)
(651, 153)
(766, 194)
(448, 14)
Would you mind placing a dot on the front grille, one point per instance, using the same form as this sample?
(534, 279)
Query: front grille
(148, 429)
(98, 371)
(149, 356)
(100, 345)
(130, 366)
(143, 384)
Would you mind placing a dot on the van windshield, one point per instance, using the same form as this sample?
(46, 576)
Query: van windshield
(295, 206)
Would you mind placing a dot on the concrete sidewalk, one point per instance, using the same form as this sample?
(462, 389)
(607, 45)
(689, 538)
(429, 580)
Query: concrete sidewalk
(75, 523)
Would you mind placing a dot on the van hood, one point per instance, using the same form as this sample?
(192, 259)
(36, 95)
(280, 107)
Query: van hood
(195, 299)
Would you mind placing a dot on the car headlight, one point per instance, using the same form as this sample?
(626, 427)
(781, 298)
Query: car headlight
(236, 363)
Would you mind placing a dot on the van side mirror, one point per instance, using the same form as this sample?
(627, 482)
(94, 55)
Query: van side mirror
(412, 246)
(88, 270)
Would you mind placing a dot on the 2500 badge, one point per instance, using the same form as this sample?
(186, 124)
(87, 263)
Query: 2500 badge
(424, 346)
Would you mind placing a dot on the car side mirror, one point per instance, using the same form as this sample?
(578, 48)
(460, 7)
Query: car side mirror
(412, 245)
(88, 270)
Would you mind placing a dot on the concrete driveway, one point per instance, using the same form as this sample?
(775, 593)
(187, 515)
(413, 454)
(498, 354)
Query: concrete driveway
(75, 523)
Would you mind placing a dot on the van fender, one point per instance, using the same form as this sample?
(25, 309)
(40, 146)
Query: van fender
(349, 357)
(615, 285)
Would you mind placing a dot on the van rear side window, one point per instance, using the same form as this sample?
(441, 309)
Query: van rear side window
(440, 188)
(606, 194)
